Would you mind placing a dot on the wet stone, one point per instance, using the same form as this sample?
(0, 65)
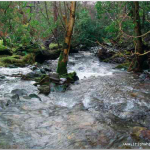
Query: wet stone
(34, 96)
(15, 97)
(44, 89)
(19, 92)
(2, 77)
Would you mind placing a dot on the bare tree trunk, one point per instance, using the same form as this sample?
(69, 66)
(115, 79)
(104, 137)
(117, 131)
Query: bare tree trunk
(55, 11)
(63, 59)
(137, 29)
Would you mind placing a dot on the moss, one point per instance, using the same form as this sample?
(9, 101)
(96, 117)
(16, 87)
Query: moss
(124, 65)
(127, 52)
(1, 42)
(106, 60)
(14, 49)
(2, 64)
(43, 80)
(17, 60)
(62, 66)
(69, 75)
(54, 46)
(2, 47)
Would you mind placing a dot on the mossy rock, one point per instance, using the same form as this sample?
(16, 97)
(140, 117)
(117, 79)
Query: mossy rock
(58, 88)
(106, 60)
(55, 46)
(43, 80)
(71, 77)
(17, 60)
(43, 55)
(124, 65)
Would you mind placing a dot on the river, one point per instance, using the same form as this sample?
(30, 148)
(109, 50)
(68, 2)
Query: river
(98, 111)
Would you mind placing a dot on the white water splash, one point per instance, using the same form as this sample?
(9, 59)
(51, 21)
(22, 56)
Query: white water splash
(10, 71)
(86, 65)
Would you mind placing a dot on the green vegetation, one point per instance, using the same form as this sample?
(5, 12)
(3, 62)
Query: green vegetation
(62, 66)
(26, 28)
(123, 66)
(17, 60)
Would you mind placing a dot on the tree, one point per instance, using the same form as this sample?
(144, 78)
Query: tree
(63, 59)
(137, 30)
(55, 11)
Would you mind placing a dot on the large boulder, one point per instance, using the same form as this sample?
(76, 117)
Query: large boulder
(44, 89)
(43, 55)
(104, 54)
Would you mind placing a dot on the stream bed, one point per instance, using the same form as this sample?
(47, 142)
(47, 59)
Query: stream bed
(98, 111)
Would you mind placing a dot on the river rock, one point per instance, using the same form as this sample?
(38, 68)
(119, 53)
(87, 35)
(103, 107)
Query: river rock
(47, 55)
(57, 88)
(141, 133)
(19, 92)
(34, 96)
(142, 76)
(54, 77)
(33, 68)
(47, 68)
(136, 132)
(44, 89)
(145, 134)
(2, 77)
(104, 53)
(62, 80)
(43, 71)
(12, 66)
(15, 97)
(118, 60)
(32, 75)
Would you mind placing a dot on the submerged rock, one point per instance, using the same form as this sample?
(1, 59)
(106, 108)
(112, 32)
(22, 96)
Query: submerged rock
(12, 66)
(34, 96)
(15, 97)
(2, 77)
(19, 92)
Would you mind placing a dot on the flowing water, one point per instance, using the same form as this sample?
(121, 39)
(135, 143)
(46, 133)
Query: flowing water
(98, 111)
